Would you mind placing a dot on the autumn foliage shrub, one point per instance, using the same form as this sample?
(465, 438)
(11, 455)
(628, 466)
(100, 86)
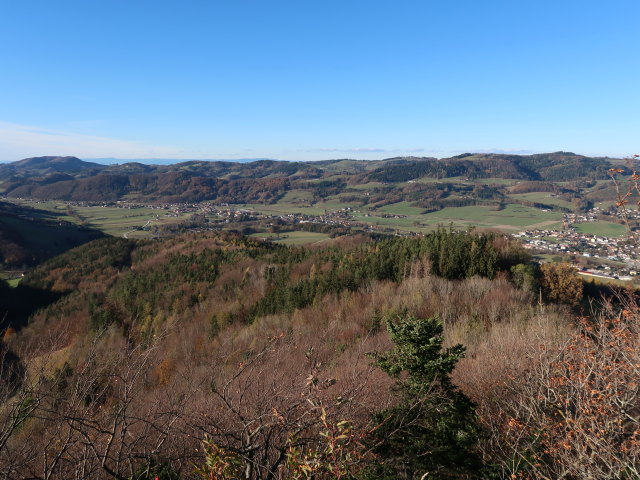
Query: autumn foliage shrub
(575, 414)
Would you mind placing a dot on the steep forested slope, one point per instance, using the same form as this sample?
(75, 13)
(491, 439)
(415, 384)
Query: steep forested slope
(559, 166)
(214, 355)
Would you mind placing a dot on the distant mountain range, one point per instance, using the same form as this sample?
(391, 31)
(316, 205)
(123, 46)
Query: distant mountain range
(168, 161)
(47, 165)
(69, 178)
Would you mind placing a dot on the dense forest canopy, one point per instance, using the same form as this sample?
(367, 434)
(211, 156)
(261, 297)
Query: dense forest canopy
(213, 355)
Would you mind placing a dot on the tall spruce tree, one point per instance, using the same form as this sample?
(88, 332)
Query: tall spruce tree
(432, 429)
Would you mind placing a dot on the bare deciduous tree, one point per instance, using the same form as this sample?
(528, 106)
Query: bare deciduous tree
(625, 190)
(576, 413)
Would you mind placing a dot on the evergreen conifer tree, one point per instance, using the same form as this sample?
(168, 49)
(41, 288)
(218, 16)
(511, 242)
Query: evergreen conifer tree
(432, 429)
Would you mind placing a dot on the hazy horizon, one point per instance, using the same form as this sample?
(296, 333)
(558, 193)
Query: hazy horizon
(170, 161)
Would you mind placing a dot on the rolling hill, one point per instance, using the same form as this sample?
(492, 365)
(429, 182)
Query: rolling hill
(266, 181)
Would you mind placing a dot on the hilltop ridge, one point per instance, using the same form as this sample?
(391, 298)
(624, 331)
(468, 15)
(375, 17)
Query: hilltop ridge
(69, 178)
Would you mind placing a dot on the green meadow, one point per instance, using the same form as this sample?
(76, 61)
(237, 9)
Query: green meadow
(605, 229)
(401, 208)
(541, 197)
(512, 218)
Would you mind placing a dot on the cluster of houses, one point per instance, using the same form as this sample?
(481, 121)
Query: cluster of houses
(574, 218)
(612, 257)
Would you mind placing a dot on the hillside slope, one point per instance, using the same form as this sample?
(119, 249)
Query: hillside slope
(203, 353)
(266, 181)
(28, 236)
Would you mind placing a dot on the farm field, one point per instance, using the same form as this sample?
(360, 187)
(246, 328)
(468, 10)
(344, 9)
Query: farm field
(293, 237)
(512, 217)
(411, 224)
(606, 229)
(464, 180)
(367, 186)
(541, 197)
(303, 196)
(494, 181)
(55, 210)
(117, 221)
(401, 208)
(283, 208)
(286, 208)
(109, 220)
(605, 205)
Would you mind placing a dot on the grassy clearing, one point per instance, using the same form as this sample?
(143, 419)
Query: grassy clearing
(14, 282)
(406, 223)
(541, 197)
(293, 196)
(470, 181)
(293, 237)
(367, 186)
(117, 221)
(402, 208)
(605, 229)
(605, 205)
(439, 180)
(495, 181)
(510, 216)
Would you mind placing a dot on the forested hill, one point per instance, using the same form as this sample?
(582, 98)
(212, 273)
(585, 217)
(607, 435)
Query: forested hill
(266, 181)
(559, 166)
(214, 355)
(172, 275)
(42, 166)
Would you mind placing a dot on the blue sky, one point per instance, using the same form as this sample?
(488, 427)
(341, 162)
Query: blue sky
(310, 79)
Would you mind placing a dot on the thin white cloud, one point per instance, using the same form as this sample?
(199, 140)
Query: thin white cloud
(371, 150)
(20, 141)
(503, 151)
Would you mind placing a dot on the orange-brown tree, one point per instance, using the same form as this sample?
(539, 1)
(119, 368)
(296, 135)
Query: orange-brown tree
(561, 283)
(576, 414)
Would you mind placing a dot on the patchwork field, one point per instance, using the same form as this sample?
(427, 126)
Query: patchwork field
(512, 218)
(109, 220)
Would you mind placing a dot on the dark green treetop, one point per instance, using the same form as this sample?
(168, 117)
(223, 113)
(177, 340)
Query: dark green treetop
(433, 428)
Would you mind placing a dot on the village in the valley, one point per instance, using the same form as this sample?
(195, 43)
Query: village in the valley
(601, 257)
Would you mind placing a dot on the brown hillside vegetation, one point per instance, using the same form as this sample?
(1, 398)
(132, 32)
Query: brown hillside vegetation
(219, 357)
